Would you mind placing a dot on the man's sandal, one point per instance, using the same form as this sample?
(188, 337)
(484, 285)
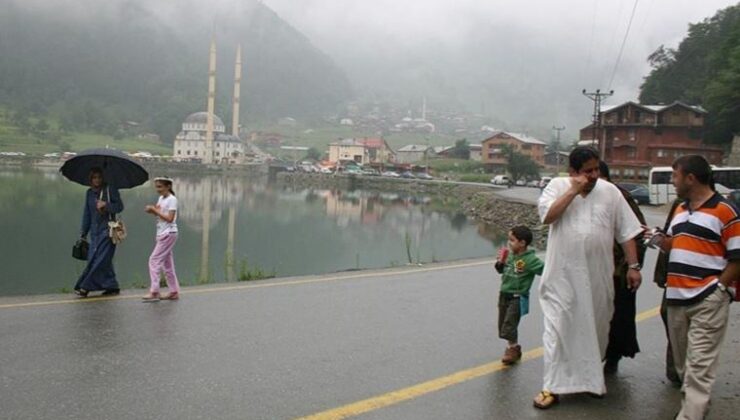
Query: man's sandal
(545, 400)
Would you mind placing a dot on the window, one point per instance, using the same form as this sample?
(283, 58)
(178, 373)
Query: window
(188, 152)
(632, 134)
(631, 153)
(662, 153)
(195, 153)
(179, 152)
(637, 116)
(661, 178)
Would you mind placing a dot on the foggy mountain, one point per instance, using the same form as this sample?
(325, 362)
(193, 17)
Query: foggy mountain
(522, 64)
(93, 64)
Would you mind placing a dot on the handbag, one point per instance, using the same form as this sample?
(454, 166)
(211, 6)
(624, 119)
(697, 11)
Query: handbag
(116, 228)
(80, 249)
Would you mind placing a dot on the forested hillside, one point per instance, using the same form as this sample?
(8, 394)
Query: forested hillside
(91, 67)
(705, 70)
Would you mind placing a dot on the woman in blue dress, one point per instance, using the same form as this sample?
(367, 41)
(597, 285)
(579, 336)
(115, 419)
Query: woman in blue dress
(102, 203)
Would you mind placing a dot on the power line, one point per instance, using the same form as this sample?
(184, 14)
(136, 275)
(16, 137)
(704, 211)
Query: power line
(624, 42)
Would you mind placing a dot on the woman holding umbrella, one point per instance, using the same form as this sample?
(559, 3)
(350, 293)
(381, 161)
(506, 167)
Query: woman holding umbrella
(102, 203)
(105, 171)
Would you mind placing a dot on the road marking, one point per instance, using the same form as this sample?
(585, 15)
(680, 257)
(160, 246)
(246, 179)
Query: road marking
(421, 389)
(322, 279)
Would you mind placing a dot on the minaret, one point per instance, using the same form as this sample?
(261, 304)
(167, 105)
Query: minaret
(424, 109)
(237, 92)
(211, 103)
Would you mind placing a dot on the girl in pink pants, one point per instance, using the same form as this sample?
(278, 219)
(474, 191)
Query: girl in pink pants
(162, 259)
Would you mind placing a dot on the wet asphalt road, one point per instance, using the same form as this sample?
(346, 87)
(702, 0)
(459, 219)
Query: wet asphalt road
(294, 347)
(285, 349)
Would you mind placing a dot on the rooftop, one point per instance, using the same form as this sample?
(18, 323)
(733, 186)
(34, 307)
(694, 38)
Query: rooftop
(414, 148)
(521, 137)
(654, 108)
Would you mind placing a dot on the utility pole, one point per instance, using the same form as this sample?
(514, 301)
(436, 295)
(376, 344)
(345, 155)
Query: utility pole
(557, 147)
(596, 97)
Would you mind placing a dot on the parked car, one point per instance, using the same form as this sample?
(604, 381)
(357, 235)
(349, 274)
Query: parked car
(326, 170)
(521, 183)
(391, 174)
(544, 181)
(639, 192)
(51, 155)
(353, 170)
(370, 172)
(424, 175)
(501, 180)
(535, 183)
(408, 175)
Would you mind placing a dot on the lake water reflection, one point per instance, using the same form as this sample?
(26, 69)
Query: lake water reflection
(229, 225)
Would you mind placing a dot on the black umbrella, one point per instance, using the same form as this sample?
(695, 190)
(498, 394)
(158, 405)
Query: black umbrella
(118, 168)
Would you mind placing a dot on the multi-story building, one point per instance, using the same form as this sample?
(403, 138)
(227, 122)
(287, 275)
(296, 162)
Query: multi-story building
(365, 151)
(493, 154)
(637, 137)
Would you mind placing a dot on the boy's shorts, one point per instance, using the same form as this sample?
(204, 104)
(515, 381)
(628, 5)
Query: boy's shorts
(508, 316)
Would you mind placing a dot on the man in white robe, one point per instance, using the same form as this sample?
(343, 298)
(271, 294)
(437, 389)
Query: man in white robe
(576, 293)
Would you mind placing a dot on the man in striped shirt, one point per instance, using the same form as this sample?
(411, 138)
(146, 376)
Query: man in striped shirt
(703, 243)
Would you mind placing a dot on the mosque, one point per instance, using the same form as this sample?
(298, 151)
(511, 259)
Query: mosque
(203, 137)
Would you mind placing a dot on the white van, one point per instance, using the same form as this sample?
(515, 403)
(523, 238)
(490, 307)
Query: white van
(501, 180)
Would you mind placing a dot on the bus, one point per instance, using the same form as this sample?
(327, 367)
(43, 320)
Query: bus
(661, 189)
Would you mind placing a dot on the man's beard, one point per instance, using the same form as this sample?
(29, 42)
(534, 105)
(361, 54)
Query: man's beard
(590, 187)
(681, 192)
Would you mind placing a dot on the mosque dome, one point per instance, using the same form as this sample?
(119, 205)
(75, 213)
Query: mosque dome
(198, 121)
(202, 118)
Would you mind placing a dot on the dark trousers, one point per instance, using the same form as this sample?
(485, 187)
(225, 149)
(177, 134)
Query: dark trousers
(623, 328)
(508, 316)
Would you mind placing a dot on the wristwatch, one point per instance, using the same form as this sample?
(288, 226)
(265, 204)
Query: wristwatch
(727, 290)
(635, 266)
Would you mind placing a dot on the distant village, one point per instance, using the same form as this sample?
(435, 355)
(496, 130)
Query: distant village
(632, 137)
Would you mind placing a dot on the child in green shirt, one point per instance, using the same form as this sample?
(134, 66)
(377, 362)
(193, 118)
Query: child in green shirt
(517, 268)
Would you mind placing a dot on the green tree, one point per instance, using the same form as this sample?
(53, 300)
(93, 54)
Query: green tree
(314, 154)
(702, 70)
(461, 149)
(518, 165)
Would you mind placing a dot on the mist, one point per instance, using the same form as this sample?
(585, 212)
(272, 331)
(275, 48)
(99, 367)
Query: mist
(523, 64)
(519, 65)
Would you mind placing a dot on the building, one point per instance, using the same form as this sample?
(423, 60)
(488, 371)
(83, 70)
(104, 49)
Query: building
(493, 154)
(190, 143)
(557, 159)
(203, 137)
(476, 152)
(364, 151)
(413, 153)
(635, 137)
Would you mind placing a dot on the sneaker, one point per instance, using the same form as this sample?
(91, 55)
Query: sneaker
(512, 355)
(171, 296)
(151, 297)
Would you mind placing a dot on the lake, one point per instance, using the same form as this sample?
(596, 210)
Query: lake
(229, 227)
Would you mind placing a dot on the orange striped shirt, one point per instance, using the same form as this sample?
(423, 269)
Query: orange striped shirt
(704, 240)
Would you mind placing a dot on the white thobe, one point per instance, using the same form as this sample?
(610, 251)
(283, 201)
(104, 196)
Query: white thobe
(577, 291)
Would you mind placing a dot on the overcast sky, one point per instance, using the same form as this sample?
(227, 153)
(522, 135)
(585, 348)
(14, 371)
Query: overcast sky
(588, 32)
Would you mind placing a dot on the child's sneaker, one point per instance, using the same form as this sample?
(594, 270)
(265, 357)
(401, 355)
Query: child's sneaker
(512, 355)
